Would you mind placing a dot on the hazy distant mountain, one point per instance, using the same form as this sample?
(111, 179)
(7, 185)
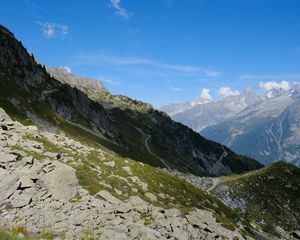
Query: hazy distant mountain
(200, 115)
(268, 131)
(176, 108)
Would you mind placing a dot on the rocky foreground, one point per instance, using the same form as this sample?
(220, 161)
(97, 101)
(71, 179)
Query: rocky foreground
(44, 195)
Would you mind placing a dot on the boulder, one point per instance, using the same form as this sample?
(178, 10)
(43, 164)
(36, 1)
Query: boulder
(127, 170)
(28, 160)
(123, 208)
(110, 164)
(138, 204)
(20, 200)
(26, 181)
(140, 183)
(61, 182)
(9, 183)
(197, 218)
(5, 158)
(151, 197)
(105, 195)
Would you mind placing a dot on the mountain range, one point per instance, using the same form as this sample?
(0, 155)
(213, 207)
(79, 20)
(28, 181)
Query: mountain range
(201, 114)
(265, 128)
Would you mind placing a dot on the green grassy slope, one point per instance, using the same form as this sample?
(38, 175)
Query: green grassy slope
(271, 195)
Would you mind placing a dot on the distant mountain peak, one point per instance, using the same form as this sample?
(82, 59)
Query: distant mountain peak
(275, 92)
(204, 111)
(249, 91)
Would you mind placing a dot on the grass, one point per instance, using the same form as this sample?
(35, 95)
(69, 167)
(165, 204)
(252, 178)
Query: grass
(14, 112)
(147, 218)
(272, 195)
(36, 155)
(20, 233)
(179, 193)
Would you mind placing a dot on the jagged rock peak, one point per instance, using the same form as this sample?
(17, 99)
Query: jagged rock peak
(64, 75)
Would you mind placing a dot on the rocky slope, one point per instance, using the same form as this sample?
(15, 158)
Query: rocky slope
(271, 128)
(53, 186)
(267, 198)
(125, 126)
(203, 114)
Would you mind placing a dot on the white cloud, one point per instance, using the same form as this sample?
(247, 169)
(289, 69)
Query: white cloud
(119, 11)
(204, 97)
(269, 86)
(175, 89)
(54, 30)
(192, 69)
(227, 91)
(205, 94)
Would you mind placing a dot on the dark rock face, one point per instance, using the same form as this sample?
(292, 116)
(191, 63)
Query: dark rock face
(125, 126)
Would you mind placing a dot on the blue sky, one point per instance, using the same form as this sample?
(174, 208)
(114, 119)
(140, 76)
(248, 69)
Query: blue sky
(163, 51)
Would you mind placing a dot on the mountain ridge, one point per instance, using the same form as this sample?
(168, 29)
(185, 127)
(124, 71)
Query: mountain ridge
(200, 116)
(271, 128)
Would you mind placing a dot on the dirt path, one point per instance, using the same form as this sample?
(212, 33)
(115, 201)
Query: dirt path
(216, 182)
(148, 137)
(154, 154)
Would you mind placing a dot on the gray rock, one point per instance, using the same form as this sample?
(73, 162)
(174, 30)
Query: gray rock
(28, 160)
(61, 181)
(20, 200)
(123, 208)
(105, 195)
(137, 181)
(198, 217)
(9, 183)
(151, 197)
(26, 182)
(110, 234)
(5, 158)
(110, 164)
(96, 203)
(127, 170)
(138, 204)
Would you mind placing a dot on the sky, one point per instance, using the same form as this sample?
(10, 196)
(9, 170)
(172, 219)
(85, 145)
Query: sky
(164, 51)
